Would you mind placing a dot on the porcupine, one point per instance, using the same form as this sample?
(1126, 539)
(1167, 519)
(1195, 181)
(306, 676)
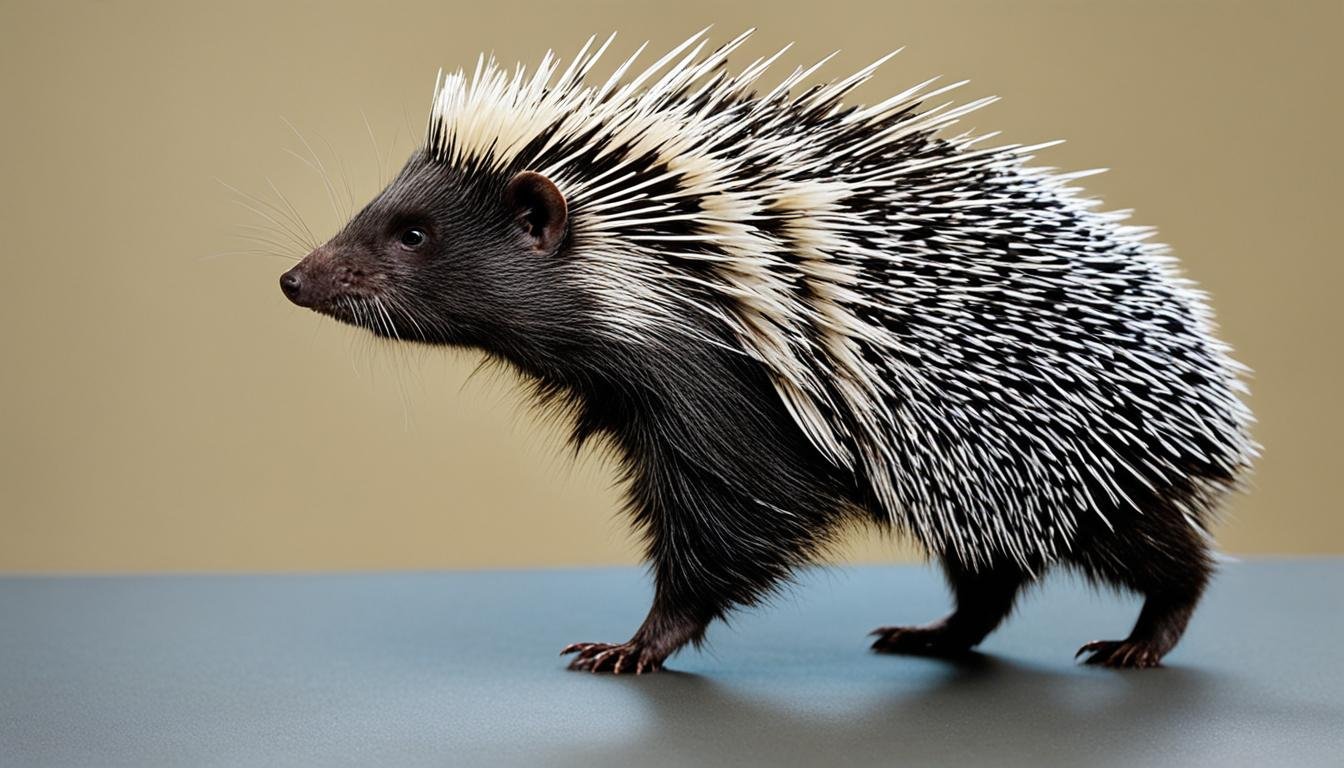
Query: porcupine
(788, 314)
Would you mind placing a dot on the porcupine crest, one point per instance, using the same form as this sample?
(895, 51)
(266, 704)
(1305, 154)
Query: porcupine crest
(994, 358)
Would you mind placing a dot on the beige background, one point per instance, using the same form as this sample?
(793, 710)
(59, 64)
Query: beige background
(165, 408)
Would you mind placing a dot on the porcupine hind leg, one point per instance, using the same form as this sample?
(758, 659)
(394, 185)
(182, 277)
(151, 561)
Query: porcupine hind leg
(1171, 577)
(984, 597)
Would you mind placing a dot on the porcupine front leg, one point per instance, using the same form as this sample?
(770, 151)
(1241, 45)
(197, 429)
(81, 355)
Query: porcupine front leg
(711, 549)
(691, 568)
(984, 598)
(684, 603)
(667, 628)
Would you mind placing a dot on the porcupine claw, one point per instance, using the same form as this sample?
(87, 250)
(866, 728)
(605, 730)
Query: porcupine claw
(1120, 654)
(616, 658)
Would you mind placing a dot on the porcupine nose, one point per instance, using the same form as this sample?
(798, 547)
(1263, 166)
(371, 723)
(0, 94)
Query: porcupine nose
(292, 284)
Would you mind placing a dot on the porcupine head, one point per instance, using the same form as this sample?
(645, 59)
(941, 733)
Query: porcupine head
(535, 221)
(566, 227)
(446, 255)
(539, 221)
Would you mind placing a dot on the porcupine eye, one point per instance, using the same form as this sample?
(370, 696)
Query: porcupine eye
(413, 238)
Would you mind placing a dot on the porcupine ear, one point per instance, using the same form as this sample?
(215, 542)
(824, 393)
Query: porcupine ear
(539, 209)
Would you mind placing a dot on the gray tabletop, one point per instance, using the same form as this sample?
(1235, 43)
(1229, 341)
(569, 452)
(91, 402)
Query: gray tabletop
(461, 668)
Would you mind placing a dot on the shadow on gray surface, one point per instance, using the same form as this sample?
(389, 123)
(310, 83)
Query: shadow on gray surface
(977, 710)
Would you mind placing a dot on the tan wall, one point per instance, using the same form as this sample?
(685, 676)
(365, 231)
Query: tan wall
(165, 408)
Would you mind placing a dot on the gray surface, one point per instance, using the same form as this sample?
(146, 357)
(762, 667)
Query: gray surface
(441, 669)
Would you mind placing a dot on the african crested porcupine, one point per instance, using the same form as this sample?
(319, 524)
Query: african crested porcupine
(788, 313)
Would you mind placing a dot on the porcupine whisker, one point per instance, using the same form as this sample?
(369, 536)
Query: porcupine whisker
(345, 177)
(260, 206)
(401, 366)
(410, 306)
(286, 223)
(295, 216)
(371, 306)
(399, 304)
(266, 247)
(316, 164)
(373, 143)
(261, 238)
(252, 252)
(385, 319)
(286, 239)
(282, 228)
(357, 340)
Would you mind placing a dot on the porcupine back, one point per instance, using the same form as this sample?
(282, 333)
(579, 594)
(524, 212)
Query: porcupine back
(1003, 366)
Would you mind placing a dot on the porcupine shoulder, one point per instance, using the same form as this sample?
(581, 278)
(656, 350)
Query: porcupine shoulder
(787, 312)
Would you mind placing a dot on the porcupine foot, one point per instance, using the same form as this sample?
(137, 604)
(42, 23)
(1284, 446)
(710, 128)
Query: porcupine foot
(1161, 623)
(984, 598)
(936, 639)
(659, 637)
(615, 658)
(1121, 654)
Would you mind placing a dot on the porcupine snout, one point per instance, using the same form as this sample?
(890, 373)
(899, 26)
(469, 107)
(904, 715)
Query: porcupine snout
(319, 279)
